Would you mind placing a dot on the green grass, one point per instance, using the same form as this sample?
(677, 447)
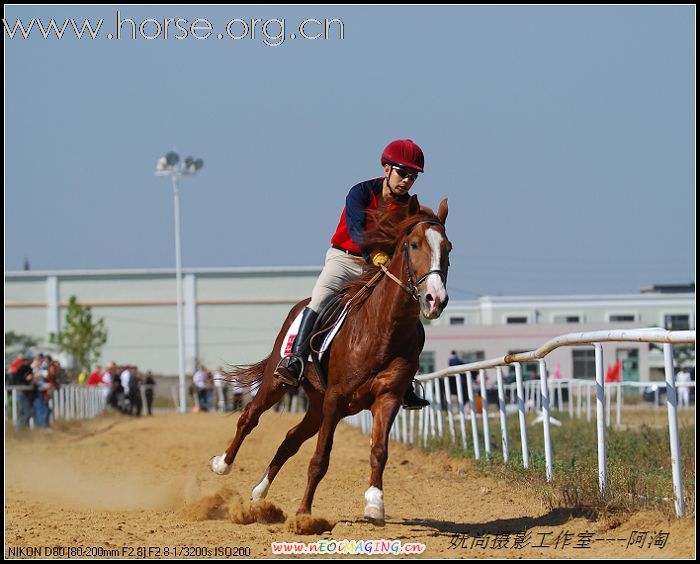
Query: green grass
(638, 465)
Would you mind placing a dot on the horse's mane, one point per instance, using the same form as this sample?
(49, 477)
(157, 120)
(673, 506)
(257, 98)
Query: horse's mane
(386, 228)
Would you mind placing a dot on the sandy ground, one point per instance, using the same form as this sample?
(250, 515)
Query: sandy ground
(141, 487)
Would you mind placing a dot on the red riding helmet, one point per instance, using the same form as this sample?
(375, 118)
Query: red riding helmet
(404, 152)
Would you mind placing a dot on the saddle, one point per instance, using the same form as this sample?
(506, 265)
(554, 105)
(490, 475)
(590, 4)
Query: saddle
(327, 325)
(329, 321)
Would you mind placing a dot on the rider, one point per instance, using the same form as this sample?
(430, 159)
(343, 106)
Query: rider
(402, 161)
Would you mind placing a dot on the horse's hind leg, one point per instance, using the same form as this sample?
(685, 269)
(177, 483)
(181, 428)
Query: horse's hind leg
(269, 394)
(306, 429)
(334, 409)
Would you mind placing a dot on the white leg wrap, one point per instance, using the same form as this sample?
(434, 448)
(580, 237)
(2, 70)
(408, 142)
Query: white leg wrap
(260, 491)
(374, 508)
(218, 465)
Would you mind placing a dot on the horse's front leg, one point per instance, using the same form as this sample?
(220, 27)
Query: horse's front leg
(334, 409)
(384, 411)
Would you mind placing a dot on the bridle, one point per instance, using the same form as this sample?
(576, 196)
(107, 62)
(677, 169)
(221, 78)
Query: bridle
(412, 287)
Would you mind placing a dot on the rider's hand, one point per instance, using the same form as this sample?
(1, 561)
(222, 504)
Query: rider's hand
(379, 258)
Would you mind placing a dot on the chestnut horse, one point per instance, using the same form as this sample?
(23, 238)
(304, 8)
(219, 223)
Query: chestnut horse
(374, 356)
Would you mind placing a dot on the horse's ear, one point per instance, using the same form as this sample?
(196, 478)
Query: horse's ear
(442, 211)
(413, 205)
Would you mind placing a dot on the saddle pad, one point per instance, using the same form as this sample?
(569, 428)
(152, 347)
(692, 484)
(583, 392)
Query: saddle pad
(288, 341)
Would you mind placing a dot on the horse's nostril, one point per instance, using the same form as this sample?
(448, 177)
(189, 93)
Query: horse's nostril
(444, 304)
(429, 297)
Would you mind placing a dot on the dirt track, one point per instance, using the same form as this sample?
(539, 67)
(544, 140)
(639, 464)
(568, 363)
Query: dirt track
(117, 482)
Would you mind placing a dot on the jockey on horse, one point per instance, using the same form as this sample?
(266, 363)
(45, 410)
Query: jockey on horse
(402, 161)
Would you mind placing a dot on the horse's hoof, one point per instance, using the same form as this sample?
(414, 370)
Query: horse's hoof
(374, 509)
(375, 515)
(375, 522)
(261, 489)
(218, 465)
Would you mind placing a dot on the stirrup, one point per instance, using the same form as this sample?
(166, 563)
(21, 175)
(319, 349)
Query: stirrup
(286, 374)
(419, 402)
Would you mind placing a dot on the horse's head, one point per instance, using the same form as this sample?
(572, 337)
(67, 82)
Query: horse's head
(413, 236)
(426, 250)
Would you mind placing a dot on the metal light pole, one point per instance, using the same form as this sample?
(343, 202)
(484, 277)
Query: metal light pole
(168, 166)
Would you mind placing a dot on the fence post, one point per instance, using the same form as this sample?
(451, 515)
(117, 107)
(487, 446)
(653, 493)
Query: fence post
(422, 417)
(545, 413)
(438, 397)
(472, 416)
(460, 404)
(672, 405)
(608, 402)
(404, 427)
(570, 387)
(485, 410)
(412, 427)
(579, 398)
(521, 413)
(600, 418)
(428, 422)
(431, 409)
(588, 404)
(502, 411)
(450, 411)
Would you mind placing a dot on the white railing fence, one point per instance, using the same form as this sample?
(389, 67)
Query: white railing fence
(522, 396)
(70, 401)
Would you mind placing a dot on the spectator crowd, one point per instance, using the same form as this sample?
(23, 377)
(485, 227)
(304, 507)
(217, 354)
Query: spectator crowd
(124, 387)
(210, 391)
(35, 379)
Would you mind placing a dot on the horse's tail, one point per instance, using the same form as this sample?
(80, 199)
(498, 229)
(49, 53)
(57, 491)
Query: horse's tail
(247, 375)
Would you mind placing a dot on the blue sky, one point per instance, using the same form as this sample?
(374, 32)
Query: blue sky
(563, 136)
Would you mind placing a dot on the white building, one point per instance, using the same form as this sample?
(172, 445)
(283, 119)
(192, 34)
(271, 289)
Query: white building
(232, 316)
(494, 326)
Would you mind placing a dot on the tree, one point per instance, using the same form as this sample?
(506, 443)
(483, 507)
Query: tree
(13, 339)
(81, 337)
(683, 355)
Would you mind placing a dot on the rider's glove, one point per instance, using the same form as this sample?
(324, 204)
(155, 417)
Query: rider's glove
(379, 258)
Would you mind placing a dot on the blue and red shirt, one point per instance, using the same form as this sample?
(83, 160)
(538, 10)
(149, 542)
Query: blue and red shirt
(364, 196)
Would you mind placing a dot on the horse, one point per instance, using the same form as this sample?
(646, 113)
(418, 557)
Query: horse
(373, 358)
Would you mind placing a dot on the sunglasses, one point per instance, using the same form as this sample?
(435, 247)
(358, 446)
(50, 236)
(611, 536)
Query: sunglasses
(403, 173)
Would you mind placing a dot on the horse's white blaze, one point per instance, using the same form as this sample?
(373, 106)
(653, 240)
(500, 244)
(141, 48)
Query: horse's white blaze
(434, 284)
(218, 465)
(260, 491)
(374, 506)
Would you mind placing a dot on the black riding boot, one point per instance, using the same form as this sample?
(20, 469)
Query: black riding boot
(291, 367)
(412, 401)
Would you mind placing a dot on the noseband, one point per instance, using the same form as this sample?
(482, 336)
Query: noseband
(412, 287)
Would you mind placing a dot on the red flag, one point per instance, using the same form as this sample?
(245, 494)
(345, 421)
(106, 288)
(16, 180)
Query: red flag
(613, 373)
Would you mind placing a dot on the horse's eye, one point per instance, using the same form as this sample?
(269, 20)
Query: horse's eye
(414, 246)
